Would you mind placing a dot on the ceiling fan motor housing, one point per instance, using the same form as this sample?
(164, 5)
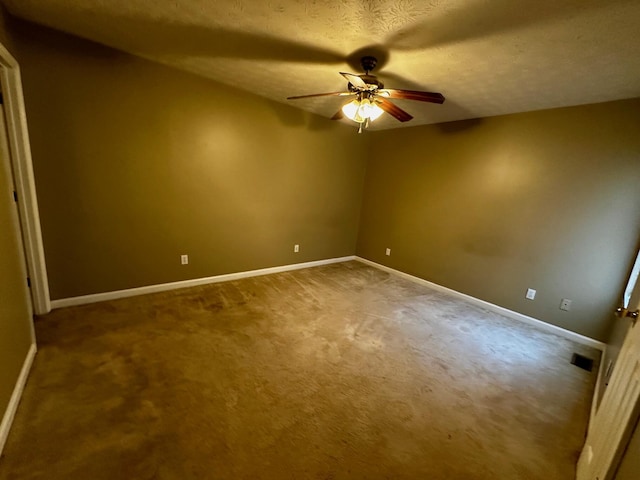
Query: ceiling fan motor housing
(368, 63)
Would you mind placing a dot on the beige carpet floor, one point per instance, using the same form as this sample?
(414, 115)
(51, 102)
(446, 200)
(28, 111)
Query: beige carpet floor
(336, 372)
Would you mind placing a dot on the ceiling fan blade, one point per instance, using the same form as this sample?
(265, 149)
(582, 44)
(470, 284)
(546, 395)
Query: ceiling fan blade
(393, 110)
(355, 80)
(432, 97)
(332, 94)
(339, 115)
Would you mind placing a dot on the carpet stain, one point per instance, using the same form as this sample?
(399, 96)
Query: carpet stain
(336, 372)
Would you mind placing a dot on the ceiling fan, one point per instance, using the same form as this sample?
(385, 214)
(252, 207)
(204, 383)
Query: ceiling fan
(371, 98)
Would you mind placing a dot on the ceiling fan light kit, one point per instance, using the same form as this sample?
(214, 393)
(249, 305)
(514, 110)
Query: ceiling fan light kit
(371, 97)
(362, 109)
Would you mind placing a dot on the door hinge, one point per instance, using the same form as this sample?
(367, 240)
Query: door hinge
(15, 196)
(29, 282)
(624, 313)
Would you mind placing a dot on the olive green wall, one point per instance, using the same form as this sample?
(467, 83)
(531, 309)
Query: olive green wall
(491, 207)
(137, 163)
(15, 313)
(5, 38)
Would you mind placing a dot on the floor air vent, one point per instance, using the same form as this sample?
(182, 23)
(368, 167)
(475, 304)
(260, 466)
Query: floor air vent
(582, 362)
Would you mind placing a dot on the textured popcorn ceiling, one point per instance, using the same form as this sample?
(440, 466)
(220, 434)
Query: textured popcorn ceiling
(488, 57)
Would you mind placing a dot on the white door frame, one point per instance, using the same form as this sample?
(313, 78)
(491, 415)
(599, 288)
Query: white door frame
(20, 153)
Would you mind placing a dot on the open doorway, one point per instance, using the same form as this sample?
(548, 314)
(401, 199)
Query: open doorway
(22, 171)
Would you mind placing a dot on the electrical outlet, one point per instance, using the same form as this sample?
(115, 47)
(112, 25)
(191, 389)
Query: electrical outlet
(387, 252)
(565, 304)
(184, 259)
(531, 293)
(296, 248)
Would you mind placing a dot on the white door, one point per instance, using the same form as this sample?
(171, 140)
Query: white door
(620, 404)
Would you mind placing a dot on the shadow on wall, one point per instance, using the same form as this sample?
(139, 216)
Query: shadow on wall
(146, 36)
(287, 115)
(459, 126)
(294, 117)
(41, 34)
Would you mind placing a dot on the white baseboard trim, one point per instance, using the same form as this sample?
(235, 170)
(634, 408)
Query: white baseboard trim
(163, 287)
(12, 407)
(576, 337)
